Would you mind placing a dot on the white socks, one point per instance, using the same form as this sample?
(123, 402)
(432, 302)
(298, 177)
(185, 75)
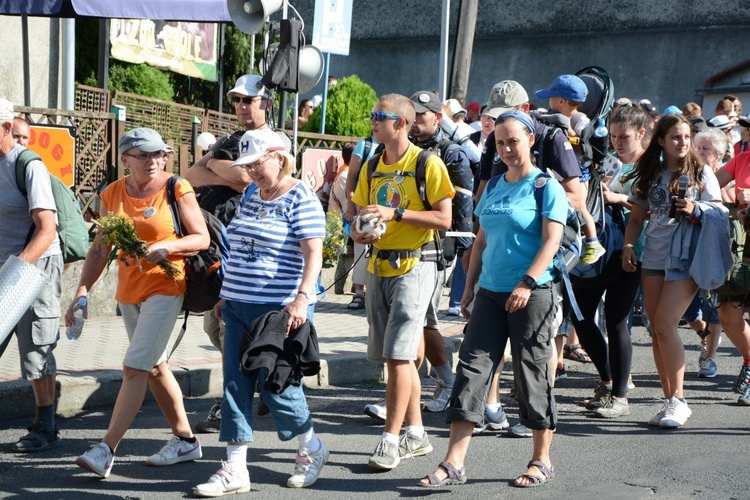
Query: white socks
(309, 440)
(237, 456)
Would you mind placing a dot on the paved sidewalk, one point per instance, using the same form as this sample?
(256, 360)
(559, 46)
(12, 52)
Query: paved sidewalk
(89, 370)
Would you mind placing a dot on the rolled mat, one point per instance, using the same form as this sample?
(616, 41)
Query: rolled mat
(20, 284)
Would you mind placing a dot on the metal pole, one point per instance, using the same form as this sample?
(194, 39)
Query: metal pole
(283, 94)
(325, 95)
(26, 63)
(445, 26)
(103, 60)
(68, 66)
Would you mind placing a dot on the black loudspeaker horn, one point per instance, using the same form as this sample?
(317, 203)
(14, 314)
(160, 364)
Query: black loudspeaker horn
(250, 15)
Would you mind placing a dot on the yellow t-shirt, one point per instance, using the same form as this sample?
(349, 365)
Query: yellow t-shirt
(401, 191)
(134, 286)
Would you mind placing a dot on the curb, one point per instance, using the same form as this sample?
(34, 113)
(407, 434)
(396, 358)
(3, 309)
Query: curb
(86, 390)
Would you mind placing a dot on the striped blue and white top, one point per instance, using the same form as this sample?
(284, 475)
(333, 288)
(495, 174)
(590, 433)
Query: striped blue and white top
(265, 258)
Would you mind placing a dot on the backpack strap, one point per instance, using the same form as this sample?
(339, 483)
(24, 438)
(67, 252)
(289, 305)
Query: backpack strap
(172, 200)
(247, 193)
(24, 158)
(366, 148)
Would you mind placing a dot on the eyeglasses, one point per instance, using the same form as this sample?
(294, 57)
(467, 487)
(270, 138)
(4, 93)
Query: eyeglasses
(253, 167)
(379, 116)
(245, 100)
(146, 157)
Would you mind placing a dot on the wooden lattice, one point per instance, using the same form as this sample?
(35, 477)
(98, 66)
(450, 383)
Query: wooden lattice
(92, 99)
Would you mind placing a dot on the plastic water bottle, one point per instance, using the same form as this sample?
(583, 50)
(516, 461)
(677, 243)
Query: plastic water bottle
(74, 331)
(601, 129)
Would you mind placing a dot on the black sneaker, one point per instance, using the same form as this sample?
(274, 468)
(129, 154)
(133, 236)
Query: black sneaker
(602, 394)
(38, 439)
(212, 422)
(743, 380)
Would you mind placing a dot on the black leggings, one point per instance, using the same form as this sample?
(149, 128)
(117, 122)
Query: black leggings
(621, 288)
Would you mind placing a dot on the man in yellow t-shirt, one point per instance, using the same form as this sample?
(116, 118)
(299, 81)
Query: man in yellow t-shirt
(396, 302)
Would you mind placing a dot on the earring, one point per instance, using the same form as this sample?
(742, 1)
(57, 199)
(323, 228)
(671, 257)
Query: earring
(661, 156)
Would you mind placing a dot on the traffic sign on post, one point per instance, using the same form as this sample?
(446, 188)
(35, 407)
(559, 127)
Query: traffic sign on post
(332, 27)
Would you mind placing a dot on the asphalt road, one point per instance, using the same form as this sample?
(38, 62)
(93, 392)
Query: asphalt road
(623, 458)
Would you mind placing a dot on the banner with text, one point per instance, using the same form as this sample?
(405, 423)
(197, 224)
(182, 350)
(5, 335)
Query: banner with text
(185, 48)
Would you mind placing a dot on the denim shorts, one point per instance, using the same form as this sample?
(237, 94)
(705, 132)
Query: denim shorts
(703, 309)
(288, 409)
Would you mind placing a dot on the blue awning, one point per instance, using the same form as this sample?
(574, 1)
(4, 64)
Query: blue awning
(170, 10)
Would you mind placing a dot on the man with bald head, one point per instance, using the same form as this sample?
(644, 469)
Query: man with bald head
(21, 132)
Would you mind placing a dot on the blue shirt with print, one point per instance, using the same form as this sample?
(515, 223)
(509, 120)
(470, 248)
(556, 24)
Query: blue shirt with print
(512, 227)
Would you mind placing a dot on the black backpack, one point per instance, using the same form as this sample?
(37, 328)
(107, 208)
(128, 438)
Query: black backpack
(204, 271)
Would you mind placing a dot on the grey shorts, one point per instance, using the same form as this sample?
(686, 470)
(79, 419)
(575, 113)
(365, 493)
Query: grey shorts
(530, 331)
(149, 325)
(214, 328)
(396, 310)
(431, 318)
(39, 329)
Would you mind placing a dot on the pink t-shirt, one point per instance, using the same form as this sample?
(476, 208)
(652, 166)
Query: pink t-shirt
(739, 168)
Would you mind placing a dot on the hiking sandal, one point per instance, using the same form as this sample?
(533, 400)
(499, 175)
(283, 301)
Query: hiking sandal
(546, 475)
(576, 353)
(455, 477)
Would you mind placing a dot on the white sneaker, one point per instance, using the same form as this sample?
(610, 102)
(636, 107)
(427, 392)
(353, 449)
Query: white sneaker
(175, 451)
(676, 414)
(656, 419)
(98, 460)
(440, 399)
(226, 481)
(454, 311)
(307, 467)
(376, 410)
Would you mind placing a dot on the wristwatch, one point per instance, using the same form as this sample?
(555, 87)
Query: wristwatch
(528, 281)
(307, 295)
(399, 214)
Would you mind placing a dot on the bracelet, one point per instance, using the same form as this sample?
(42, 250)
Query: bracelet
(627, 245)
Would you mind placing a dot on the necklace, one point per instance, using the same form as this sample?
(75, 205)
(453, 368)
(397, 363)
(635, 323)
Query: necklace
(264, 211)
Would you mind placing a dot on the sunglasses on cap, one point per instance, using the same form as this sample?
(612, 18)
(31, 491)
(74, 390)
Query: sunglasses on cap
(379, 116)
(245, 100)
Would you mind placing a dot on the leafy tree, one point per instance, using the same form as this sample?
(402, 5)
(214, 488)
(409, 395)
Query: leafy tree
(141, 79)
(347, 110)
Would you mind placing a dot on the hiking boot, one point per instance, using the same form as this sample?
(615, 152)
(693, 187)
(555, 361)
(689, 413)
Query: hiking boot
(212, 423)
(307, 467)
(520, 431)
(376, 410)
(592, 252)
(410, 446)
(37, 439)
(226, 481)
(175, 451)
(656, 419)
(744, 398)
(743, 380)
(676, 414)
(440, 399)
(496, 423)
(98, 460)
(708, 368)
(704, 353)
(386, 456)
(615, 407)
(602, 393)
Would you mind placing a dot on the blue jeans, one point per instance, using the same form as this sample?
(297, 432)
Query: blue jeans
(458, 283)
(288, 409)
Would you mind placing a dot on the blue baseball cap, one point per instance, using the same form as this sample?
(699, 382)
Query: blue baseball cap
(568, 87)
(672, 110)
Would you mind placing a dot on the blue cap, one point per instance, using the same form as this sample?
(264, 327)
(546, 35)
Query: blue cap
(672, 110)
(568, 87)
(520, 116)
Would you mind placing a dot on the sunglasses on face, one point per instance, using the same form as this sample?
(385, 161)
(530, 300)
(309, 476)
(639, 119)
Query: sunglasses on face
(245, 100)
(146, 157)
(379, 116)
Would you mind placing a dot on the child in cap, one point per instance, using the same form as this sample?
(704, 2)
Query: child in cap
(566, 94)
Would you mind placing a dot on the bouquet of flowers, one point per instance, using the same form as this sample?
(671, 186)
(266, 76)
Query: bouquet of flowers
(119, 231)
(334, 244)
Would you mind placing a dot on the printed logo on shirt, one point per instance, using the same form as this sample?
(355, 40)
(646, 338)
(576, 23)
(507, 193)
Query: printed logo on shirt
(388, 193)
(503, 209)
(659, 201)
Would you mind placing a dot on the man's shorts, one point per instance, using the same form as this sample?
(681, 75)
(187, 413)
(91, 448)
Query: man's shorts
(396, 309)
(39, 328)
(149, 325)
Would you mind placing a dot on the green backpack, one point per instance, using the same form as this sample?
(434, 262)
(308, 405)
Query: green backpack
(74, 237)
(738, 278)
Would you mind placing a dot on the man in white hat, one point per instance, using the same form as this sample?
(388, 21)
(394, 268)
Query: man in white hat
(219, 187)
(38, 330)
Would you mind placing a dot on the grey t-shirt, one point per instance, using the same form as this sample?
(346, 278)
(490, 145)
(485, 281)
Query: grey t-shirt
(15, 209)
(660, 227)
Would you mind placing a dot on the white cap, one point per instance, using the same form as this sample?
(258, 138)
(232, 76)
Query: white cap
(6, 111)
(250, 86)
(255, 143)
(454, 106)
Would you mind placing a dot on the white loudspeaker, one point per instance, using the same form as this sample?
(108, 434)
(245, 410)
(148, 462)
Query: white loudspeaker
(310, 69)
(250, 15)
(205, 141)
